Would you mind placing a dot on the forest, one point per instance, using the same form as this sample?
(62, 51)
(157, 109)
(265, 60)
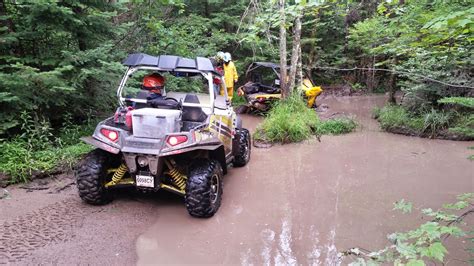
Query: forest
(61, 60)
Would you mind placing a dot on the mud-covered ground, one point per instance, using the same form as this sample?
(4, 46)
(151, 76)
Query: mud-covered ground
(293, 204)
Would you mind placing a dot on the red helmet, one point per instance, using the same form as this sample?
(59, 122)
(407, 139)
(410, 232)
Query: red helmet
(153, 82)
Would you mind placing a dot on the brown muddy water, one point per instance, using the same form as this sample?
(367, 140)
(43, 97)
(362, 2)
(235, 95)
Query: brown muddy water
(292, 204)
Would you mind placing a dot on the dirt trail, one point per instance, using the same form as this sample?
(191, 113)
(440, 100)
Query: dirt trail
(292, 204)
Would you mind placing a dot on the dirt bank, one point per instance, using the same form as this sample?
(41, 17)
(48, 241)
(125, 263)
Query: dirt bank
(443, 134)
(292, 204)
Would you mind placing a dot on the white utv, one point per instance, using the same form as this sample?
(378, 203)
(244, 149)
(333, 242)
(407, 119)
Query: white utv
(183, 143)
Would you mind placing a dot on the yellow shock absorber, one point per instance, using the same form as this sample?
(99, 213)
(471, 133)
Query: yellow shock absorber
(177, 177)
(118, 175)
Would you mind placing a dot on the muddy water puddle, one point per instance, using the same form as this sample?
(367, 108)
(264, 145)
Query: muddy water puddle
(303, 203)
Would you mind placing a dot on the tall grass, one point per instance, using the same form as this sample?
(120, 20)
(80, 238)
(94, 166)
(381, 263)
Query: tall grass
(38, 150)
(431, 123)
(392, 116)
(336, 126)
(290, 120)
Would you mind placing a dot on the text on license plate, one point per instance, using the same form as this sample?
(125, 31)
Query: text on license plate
(145, 181)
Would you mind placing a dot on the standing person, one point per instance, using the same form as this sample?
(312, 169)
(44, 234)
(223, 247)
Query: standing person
(217, 63)
(230, 75)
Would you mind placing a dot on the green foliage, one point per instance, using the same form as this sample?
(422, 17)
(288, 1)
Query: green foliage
(38, 151)
(462, 101)
(424, 243)
(56, 56)
(195, 84)
(403, 206)
(432, 123)
(392, 116)
(289, 120)
(436, 121)
(238, 100)
(420, 37)
(336, 126)
(471, 157)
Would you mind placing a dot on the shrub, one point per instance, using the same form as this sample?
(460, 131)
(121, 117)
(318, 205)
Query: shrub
(288, 121)
(38, 151)
(464, 125)
(391, 116)
(435, 121)
(461, 101)
(432, 123)
(291, 120)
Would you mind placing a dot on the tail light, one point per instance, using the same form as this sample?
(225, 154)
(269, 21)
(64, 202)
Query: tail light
(176, 140)
(128, 119)
(110, 134)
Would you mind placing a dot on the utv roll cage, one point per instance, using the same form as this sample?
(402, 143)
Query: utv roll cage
(274, 66)
(173, 65)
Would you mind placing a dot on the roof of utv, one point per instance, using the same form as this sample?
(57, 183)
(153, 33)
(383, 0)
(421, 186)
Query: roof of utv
(266, 64)
(170, 62)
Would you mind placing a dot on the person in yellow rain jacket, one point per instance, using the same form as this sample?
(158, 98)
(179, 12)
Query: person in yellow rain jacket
(230, 75)
(310, 91)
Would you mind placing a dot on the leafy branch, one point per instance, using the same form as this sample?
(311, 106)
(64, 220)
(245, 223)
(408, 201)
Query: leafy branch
(421, 244)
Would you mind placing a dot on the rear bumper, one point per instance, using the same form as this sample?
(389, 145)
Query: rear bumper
(100, 145)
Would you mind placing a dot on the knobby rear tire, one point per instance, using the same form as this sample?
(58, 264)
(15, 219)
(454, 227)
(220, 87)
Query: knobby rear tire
(91, 176)
(202, 200)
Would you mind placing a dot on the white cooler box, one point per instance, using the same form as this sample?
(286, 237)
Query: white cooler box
(155, 123)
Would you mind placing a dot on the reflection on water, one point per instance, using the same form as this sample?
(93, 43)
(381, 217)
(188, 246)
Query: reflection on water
(268, 237)
(279, 251)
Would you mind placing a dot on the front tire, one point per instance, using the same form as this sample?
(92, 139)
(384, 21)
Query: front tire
(242, 155)
(91, 176)
(204, 188)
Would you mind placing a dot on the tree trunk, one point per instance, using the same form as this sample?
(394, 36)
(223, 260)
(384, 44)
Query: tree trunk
(392, 85)
(283, 64)
(295, 52)
(299, 70)
(80, 36)
(206, 9)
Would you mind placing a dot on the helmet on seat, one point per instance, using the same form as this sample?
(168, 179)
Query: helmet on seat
(153, 82)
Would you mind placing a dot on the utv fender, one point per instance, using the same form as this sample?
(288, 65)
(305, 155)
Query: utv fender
(239, 122)
(215, 150)
(219, 155)
(100, 145)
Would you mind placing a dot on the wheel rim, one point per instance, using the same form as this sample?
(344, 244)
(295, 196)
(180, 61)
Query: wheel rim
(214, 188)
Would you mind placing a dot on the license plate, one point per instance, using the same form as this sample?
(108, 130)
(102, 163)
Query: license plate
(145, 181)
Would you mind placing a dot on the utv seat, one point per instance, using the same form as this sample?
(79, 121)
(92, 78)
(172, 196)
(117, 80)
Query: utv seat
(192, 116)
